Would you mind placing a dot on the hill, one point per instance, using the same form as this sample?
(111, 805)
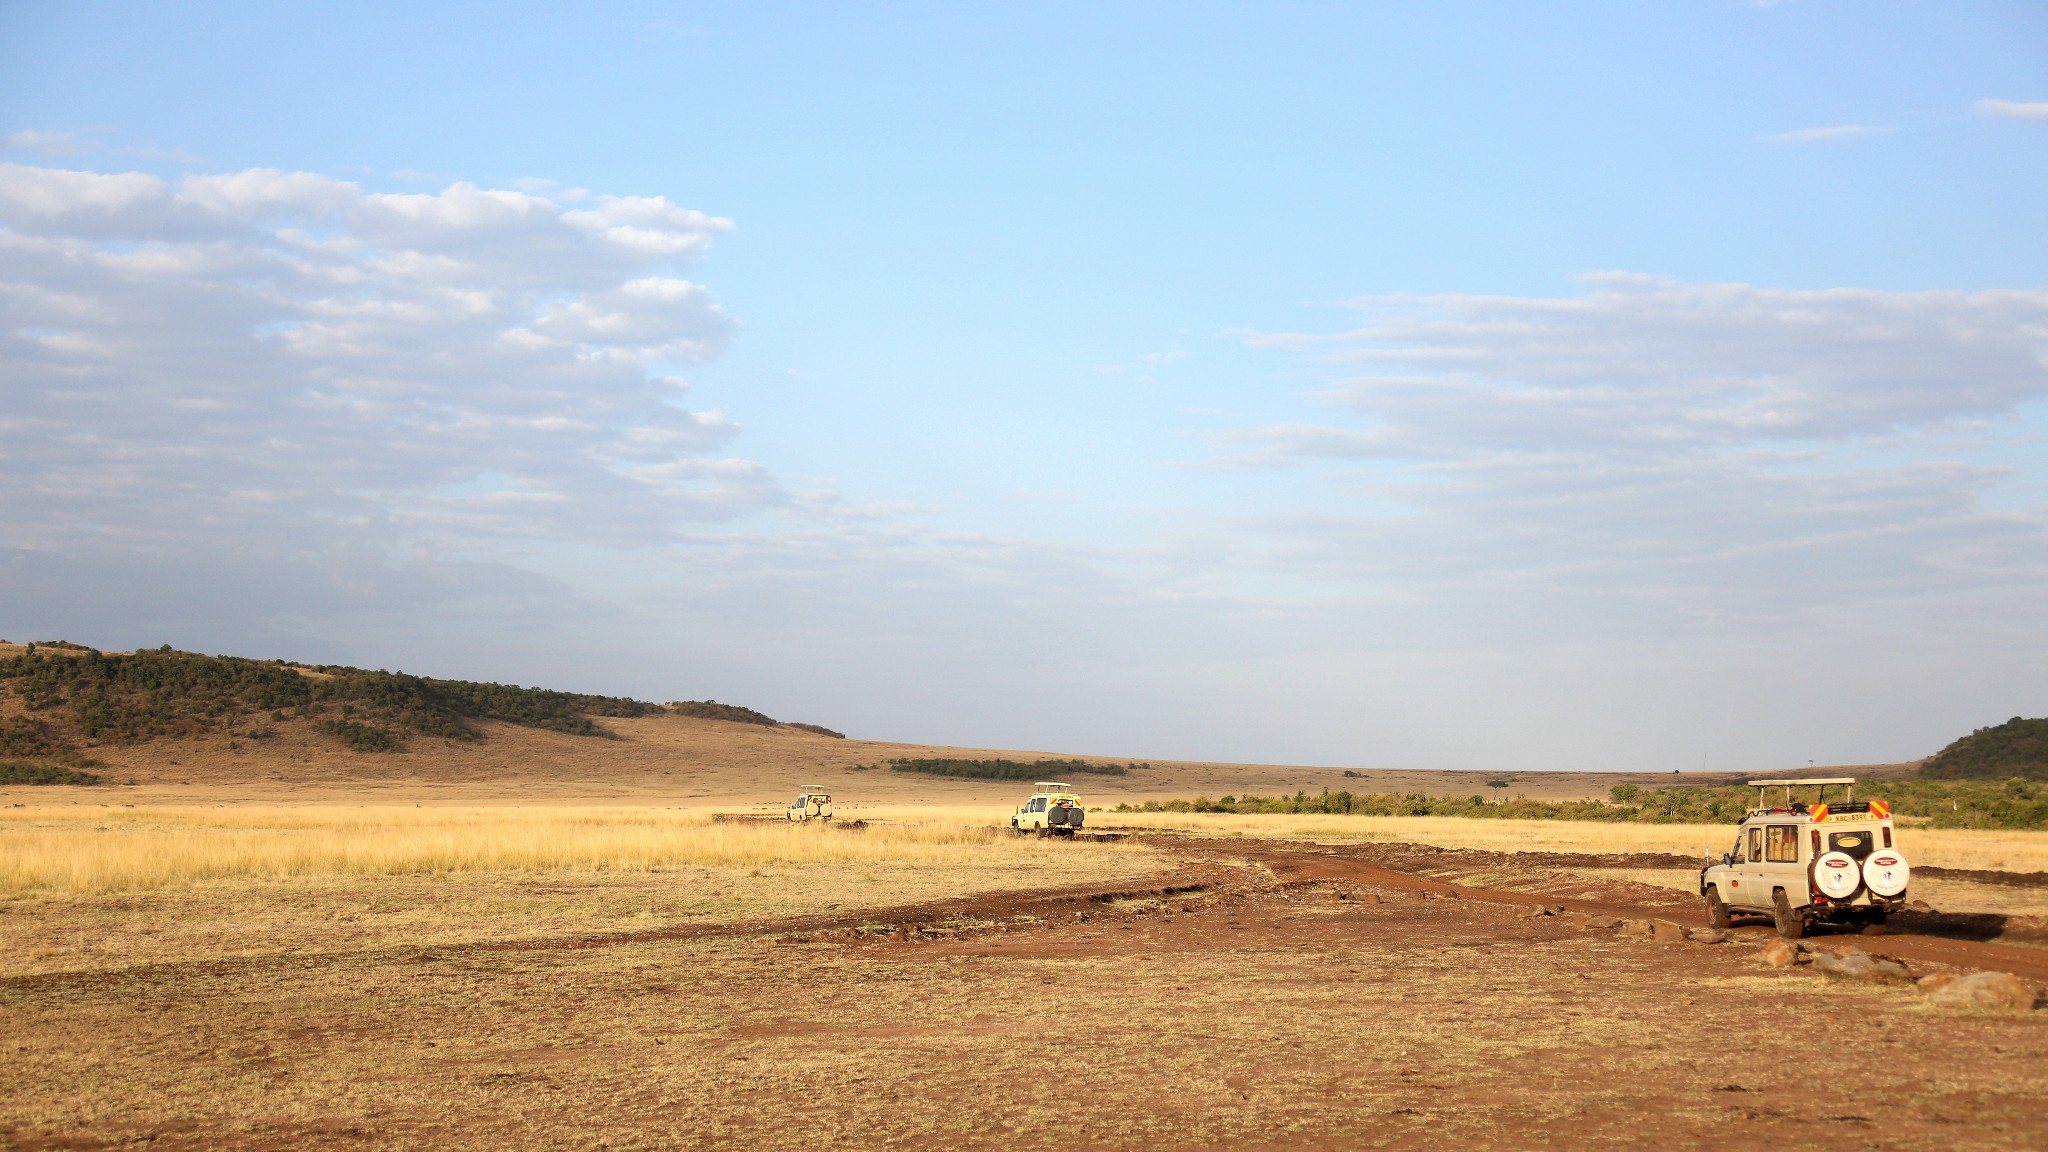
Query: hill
(67, 698)
(2017, 748)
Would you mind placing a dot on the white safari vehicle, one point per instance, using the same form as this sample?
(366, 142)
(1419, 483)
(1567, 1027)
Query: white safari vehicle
(1053, 810)
(1803, 864)
(813, 804)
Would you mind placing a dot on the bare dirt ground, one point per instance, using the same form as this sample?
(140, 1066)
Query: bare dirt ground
(1245, 995)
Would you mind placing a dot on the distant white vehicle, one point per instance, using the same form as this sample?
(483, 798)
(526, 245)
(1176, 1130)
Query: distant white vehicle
(814, 804)
(1804, 864)
(1053, 810)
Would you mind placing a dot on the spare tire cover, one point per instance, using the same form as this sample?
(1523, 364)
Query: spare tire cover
(1074, 818)
(1056, 816)
(1836, 876)
(1886, 872)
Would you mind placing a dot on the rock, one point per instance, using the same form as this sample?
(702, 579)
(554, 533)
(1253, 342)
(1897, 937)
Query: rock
(1934, 980)
(1602, 921)
(1983, 990)
(1919, 906)
(1667, 932)
(1539, 911)
(1855, 965)
(1635, 927)
(1708, 936)
(1779, 954)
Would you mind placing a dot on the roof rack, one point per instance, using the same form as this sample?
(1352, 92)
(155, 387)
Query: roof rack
(1846, 783)
(1052, 786)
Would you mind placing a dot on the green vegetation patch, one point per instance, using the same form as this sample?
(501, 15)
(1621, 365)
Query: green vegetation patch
(999, 769)
(713, 710)
(24, 772)
(2005, 804)
(2016, 748)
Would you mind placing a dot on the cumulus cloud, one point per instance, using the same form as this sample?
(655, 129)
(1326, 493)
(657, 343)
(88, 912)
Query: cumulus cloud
(282, 363)
(1751, 449)
(2036, 110)
(1831, 132)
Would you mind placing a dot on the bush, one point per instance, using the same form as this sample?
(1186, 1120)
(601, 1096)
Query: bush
(999, 769)
(23, 772)
(362, 737)
(713, 710)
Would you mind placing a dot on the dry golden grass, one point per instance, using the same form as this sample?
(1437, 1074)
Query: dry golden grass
(1996, 851)
(99, 888)
(108, 850)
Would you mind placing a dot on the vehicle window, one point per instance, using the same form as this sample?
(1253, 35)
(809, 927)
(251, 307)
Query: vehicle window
(1756, 845)
(1856, 844)
(1781, 844)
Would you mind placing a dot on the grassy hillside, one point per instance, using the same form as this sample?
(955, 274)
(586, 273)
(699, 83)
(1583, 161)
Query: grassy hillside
(2017, 748)
(72, 699)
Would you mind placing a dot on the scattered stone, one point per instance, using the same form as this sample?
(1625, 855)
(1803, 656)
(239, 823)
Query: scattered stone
(1856, 965)
(1919, 906)
(1603, 921)
(1709, 936)
(1984, 990)
(1539, 911)
(1779, 954)
(1667, 932)
(1635, 927)
(1934, 980)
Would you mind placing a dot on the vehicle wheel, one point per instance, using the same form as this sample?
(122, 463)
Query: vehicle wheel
(1790, 925)
(1075, 818)
(1717, 912)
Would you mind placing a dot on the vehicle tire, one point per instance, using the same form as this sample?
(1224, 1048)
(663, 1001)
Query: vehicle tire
(1790, 924)
(1074, 818)
(1717, 912)
(1056, 816)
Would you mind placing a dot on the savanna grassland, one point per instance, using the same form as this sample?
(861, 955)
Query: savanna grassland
(513, 922)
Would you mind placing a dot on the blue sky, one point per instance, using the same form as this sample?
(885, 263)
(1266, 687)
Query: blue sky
(1460, 385)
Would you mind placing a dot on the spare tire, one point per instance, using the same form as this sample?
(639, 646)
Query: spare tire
(1074, 818)
(1056, 816)
(1886, 872)
(1836, 876)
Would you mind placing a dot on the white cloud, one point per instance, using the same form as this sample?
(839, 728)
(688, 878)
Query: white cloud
(1764, 450)
(54, 145)
(280, 363)
(1831, 132)
(2014, 110)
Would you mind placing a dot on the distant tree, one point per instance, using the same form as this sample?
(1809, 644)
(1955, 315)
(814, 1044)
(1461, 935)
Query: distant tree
(1499, 784)
(1624, 793)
